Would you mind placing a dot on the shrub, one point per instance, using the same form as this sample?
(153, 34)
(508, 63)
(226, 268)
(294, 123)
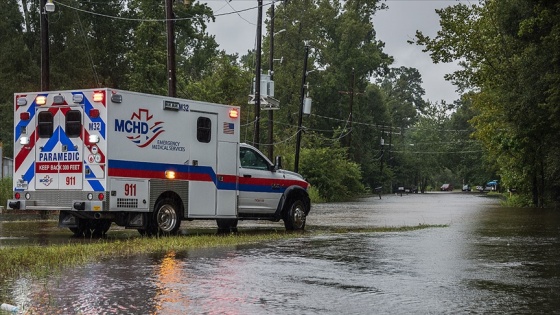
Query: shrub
(517, 200)
(5, 190)
(330, 172)
(315, 195)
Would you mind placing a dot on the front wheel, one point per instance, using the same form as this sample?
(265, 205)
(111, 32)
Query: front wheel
(294, 217)
(227, 225)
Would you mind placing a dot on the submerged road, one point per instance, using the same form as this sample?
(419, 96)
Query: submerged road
(483, 259)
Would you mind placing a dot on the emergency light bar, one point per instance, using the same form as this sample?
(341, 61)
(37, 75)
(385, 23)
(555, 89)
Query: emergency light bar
(116, 98)
(21, 101)
(41, 100)
(93, 139)
(24, 140)
(77, 98)
(98, 96)
(58, 100)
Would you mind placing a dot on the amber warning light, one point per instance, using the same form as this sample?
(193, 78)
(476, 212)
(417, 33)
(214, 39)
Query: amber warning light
(41, 100)
(98, 96)
(233, 113)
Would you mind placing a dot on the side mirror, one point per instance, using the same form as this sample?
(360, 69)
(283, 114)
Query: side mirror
(278, 163)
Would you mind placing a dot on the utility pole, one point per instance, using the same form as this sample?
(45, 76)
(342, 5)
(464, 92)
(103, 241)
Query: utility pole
(352, 93)
(351, 105)
(45, 71)
(171, 65)
(299, 131)
(256, 136)
(382, 143)
(271, 68)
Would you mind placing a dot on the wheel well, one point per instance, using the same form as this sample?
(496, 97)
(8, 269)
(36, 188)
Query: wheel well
(294, 193)
(176, 198)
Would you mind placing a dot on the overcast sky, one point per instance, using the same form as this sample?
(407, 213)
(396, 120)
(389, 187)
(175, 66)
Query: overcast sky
(235, 33)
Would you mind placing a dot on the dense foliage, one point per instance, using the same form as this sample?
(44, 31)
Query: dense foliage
(509, 53)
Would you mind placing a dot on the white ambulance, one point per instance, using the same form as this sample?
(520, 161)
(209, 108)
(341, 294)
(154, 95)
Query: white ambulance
(145, 162)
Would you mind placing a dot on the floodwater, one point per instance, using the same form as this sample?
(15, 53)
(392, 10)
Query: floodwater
(486, 259)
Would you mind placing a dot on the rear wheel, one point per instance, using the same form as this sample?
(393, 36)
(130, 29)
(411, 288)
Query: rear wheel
(83, 228)
(77, 231)
(100, 227)
(165, 219)
(88, 228)
(294, 217)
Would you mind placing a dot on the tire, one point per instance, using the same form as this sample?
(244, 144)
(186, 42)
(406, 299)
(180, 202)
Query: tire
(83, 229)
(294, 216)
(227, 225)
(91, 228)
(100, 227)
(166, 219)
(77, 231)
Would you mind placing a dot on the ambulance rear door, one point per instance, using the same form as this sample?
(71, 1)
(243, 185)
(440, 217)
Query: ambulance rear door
(59, 147)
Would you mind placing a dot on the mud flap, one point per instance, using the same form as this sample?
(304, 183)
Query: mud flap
(137, 220)
(67, 220)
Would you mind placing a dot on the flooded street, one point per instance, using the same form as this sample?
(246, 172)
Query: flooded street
(486, 259)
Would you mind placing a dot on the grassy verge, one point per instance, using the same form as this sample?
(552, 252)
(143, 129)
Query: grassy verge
(41, 261)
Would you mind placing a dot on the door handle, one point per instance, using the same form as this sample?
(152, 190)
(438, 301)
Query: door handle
(247, 176)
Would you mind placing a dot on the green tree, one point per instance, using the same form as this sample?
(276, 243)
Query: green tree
(466, 159)
(343, 56)
(423, 152)
(17, 68)
(508, 50)
(106, 40)
(224, 82)
(341, 182)
(147, 55)
(404, 93)
(197, 51)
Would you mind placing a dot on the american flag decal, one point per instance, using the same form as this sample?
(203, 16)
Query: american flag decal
(229, 128)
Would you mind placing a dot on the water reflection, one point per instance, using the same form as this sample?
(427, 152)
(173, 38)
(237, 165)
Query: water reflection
(170, 284)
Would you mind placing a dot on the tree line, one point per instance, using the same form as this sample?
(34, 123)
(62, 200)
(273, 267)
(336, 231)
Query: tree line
(509, 56)
(371, 125)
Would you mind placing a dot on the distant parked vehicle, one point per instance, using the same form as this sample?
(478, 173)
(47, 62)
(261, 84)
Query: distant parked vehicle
(466, 187)
(446, 187)
(491, 185)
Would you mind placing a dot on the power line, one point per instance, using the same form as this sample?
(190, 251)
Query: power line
(387, 126)
(156, 20)
(437, 152)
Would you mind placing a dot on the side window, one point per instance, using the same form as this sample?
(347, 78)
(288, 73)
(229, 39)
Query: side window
(251, 159)
(204, 129)
(45, 122)
(73, 123)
